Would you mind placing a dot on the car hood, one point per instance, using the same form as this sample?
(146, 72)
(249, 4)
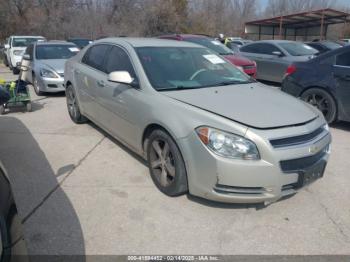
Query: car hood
(238, 60)
(254, 105)
(56, 64)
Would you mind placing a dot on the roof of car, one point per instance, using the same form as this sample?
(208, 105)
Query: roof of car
(54, 42)
(148, 42)
(274, 41)
(186, 36)
(26, 36)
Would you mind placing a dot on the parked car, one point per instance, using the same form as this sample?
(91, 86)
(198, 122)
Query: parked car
(45, 63)
(324, 46)
(4, 51)
(246, 65)
(323, 82)
(239, 41)
(274, 56)
(346, 40)
(11, 232)
(15, 49)
(202, 124)
(80, 42)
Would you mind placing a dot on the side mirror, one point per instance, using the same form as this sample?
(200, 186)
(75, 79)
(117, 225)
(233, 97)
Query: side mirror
(7, 46)
(277, 53)
(26, 57)
(122, 77)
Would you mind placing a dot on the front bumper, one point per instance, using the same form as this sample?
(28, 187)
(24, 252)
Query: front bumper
(51, 85)
(243, 181)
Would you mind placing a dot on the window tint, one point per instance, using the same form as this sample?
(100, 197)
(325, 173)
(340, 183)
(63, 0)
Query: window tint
(260, 48)
(118, 60)
(317, 47)
(343, 59)
(95, 56)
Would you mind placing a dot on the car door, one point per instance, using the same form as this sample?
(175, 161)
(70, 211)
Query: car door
(28, 64)
(119, 100)
(342, 78)
(88, 74)
(268, 64)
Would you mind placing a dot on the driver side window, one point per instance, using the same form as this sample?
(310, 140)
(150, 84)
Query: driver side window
(118, 60)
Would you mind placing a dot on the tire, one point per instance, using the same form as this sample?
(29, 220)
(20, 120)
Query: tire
(323, 101)
(29, 107)
(36, 87)
(2, 109)
(166, 164)
(15, 70)
(73, 106)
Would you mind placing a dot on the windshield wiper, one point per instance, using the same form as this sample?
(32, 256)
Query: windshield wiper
(178, 88)
(225, 53)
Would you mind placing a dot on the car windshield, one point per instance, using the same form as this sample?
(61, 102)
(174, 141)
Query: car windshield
(212, 44)
(298, 49)
(331, 45)
(174, 68)
(44, 52)
(24, 42)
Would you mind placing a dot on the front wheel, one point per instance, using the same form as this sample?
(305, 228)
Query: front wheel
(36, 87)
(73, 106)
(323, 101)
(166, 164)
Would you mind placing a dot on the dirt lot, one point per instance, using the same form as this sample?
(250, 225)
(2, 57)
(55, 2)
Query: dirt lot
(81, 192)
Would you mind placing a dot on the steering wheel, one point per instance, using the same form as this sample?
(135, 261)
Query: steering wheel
(197, 73)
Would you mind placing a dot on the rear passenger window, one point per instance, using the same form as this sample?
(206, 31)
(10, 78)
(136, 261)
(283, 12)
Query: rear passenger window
(260, 48)
(343, 59)
(118, 60)
(95, 56)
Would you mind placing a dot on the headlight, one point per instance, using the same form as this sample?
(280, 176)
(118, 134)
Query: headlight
(228, 145)
(326, 127)
(18, 52)
(47, 73)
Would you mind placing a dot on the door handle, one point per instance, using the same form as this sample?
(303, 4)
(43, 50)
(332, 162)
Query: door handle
(101, 83)
(77, 72)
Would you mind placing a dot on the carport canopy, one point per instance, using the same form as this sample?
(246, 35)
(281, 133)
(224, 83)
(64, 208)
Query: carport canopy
(312, 23)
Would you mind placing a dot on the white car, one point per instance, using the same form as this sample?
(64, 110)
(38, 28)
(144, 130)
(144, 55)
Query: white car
(15, 48)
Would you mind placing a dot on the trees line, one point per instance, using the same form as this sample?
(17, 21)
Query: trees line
(60, 19)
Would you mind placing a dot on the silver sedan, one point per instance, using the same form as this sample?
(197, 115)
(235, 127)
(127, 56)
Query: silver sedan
(45, 62)
(204, 126)
(273, 57)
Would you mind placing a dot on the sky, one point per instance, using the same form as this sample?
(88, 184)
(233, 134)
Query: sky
(263, 3)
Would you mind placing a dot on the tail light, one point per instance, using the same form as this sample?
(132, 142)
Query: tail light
(290, 70)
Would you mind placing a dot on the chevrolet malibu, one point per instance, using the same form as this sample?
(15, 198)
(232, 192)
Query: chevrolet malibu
(204, 126)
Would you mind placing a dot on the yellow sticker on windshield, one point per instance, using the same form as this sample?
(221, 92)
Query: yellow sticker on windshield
(214, 59)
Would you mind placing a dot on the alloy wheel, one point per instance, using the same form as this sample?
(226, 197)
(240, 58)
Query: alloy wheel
(162, 162)
(72, 103)
(320, 102)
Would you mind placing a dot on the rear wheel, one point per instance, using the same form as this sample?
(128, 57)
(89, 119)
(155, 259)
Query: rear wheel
(323, 101)
(73, 106)
(36, 87)
(2, 109)
(29, 107)
(166, 164)
(15, 70)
